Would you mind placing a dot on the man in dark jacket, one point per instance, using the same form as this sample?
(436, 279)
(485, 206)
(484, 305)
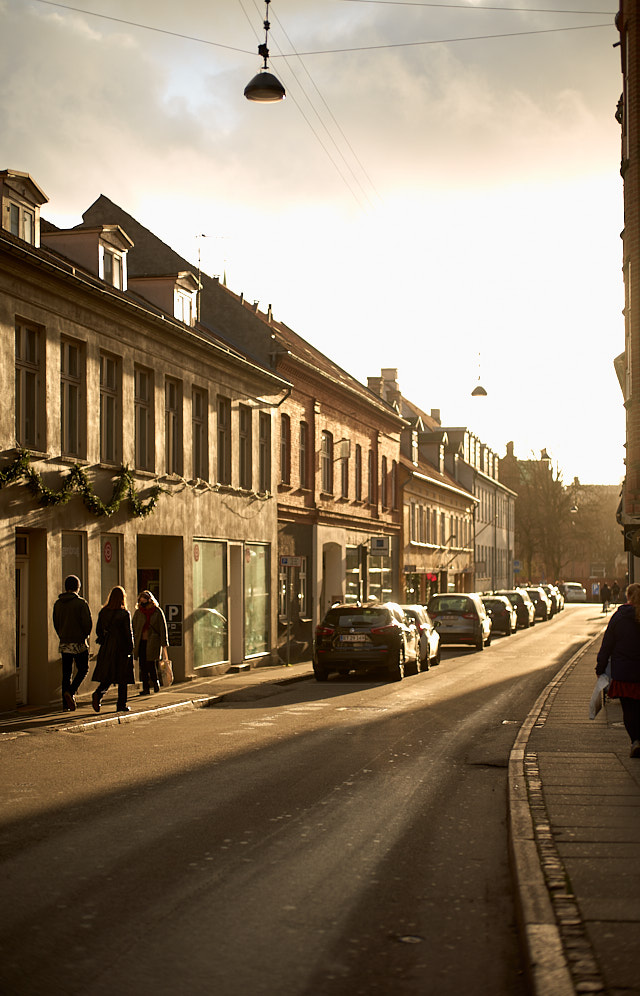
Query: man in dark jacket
(72, 623)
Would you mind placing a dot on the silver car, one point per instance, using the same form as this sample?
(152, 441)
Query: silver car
(461, 618)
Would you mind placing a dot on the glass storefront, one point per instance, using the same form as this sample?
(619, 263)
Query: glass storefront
(380, 578)
(352, 580)
(256, 598)
(210, 610)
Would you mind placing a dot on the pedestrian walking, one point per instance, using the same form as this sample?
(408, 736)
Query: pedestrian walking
(605, 595)
(621, 650)
(114, 665)
(150, 636)
(615, 592)
(72, 622)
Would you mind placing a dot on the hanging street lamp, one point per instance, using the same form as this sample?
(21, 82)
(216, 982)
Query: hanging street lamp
(265, 87)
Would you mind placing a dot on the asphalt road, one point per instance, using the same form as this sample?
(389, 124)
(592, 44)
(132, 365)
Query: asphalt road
(347, 837)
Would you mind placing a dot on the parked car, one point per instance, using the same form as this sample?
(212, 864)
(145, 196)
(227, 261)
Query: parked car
(504, 618)
(554, 598)
(523, 605)
(560, 596)
(574, 592)
(461, 618)
(428, 634)
(360, 637)
(541, 601)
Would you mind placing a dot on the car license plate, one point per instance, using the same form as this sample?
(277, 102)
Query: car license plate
(353, 638)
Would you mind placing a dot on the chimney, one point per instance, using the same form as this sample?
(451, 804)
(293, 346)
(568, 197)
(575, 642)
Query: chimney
(375, 384)
(435, 415)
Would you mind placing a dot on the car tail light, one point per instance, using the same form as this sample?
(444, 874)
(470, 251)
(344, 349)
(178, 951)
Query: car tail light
(468, 615)
(324, 630)
(384, 630)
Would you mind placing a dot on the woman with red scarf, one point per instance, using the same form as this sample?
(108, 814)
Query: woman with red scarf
(149, 637)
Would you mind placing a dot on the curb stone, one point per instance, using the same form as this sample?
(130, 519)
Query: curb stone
(560, 959)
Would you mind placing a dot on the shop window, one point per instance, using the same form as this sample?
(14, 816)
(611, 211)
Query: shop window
(257, 598)
(210, 610)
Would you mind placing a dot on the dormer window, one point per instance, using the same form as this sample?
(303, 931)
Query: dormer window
(184, 307)
(414, 448)
(20, 201)
(112, 266)
(22, 223)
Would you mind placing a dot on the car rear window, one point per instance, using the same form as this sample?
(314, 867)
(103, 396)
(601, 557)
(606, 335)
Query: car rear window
(357, 617)
(450, 603)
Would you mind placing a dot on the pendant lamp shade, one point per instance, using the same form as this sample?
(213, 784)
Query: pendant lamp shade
(265, 88)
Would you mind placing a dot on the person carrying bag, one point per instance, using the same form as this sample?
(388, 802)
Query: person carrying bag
(150, 640)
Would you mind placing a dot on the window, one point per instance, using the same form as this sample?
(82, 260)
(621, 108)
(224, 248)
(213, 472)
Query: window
(414, 448)
(383, 483)
(358, 472)
(224, 440)
(143, 397)
(112, 268)
(110, 419)
(210, 606)
(199, 434)
(285, 449)
(264, 452)
(303, 455)
(244, 448)
(371, 479)
(326, 462)
(257, 598)
(22, 223)
(344, 476)
(183, 307)
(394, 484)
(29, 387)
(71, 397)
(173, 426)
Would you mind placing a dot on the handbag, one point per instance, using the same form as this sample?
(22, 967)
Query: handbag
(165, 670)
(597, 699)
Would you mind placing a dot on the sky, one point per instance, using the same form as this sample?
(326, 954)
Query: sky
(439, 192)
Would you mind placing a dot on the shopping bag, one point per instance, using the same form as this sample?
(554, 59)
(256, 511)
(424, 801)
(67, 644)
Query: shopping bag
(597, 699)
(166, 673)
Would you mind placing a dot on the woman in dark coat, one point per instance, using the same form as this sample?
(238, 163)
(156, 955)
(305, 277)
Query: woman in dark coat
(621, 647)
(114, 665)
(149, 639)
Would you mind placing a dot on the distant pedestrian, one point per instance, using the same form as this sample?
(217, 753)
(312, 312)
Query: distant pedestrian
(605, 595)
(621, 649)
(615, 592)
(150, 636)
(72, 622)
(114, 665)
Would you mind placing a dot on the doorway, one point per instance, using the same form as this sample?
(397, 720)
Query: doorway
(22, 630)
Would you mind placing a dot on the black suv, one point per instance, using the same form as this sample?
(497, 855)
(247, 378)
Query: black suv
(360, 637)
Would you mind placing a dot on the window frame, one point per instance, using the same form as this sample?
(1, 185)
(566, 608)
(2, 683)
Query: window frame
(326, 461)
(72, 398)
(144, 448)
(110, 410)
(200, 433)
(29, 386)
(264, 452)
(173, 426)
(245, 441)
(223, 462)
(285, 448)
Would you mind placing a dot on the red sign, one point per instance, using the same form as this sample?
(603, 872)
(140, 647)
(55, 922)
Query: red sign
(107, 552)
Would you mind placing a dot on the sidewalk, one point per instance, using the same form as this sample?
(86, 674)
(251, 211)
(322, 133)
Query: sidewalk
(575, 839)
(197, 694)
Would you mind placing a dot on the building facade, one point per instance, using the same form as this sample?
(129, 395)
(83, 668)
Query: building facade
(628, 363)
(136, 450)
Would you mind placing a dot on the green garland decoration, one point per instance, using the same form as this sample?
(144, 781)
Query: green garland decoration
(77, 480)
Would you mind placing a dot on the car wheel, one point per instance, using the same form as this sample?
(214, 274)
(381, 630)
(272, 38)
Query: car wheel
(488, 640)
(480, 643)
(396, 670)
(508, 631)
(437, 658)
(321, 673)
